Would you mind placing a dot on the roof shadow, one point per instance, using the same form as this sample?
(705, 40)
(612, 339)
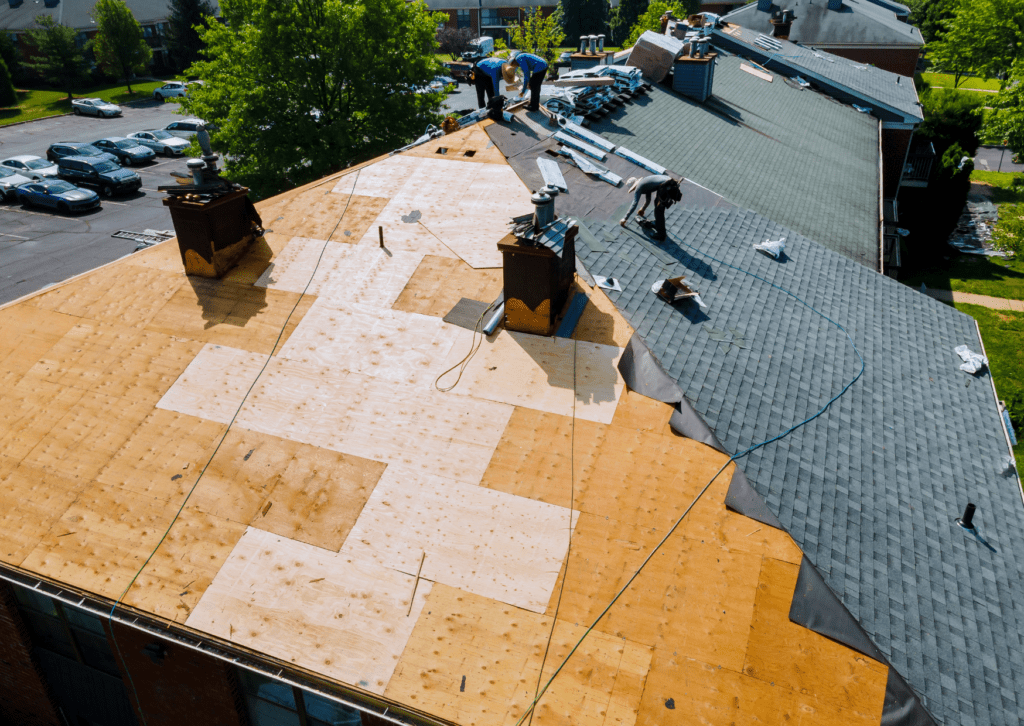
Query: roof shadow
(226, 303)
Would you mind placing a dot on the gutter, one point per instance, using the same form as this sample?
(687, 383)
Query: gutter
(1002, 421)
(881, 205)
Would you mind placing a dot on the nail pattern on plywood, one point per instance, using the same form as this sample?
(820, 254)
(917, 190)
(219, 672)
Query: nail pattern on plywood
(329, 612)
(489, 543)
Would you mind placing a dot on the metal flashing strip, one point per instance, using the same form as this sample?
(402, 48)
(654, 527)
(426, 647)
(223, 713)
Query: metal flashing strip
(588, 136)
(572, 315)
(640, 160)
(467, 313)
(552, 174)
(566, 140)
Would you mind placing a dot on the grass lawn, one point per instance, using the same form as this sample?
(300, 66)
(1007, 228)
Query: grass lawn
(1003, 334)
(39, 104)
(992, 276)
(945, 80)
(1004, 191)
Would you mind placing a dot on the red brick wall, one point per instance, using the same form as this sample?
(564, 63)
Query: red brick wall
(24, 696)
(894, 151)
(902, 61)
(187, 687)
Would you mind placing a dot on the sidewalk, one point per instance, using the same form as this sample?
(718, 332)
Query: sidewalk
(996, 303)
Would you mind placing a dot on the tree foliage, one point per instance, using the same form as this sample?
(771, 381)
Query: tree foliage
(651, 19)
(7, 95)
(298, 89)
(624, 17)
(10, 55)
(582, 17)
(1007, 120)
(538, 34)
(950, 117)
(929, 16)
(119, 44)
(60, 60)
(454, 41)
(183, 42)
(983, 37)
(1009, 230)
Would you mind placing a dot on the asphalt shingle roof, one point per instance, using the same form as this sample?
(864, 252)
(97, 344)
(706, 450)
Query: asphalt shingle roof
(891, 96)
(78, 13)
(794, 155)
(870, 489)
(860, 22)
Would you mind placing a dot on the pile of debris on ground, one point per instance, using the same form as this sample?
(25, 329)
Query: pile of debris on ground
(973, 233)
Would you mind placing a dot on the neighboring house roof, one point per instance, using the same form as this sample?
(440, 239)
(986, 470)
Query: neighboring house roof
(891, 96)
(793, 155)
(869, 490)
(267, 464)
(860, 22)
(78, 13)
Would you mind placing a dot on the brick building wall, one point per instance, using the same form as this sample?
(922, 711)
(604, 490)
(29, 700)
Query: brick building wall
(181, 686)
(895, 60)
(25, 699)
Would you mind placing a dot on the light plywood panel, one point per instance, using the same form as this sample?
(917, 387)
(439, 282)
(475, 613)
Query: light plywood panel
(346, 619)
(386, 344)
(402, 236)
(538, 372)
(214, 384)
(317, 213)
(147, 369)
(784, 653)
(706, 693)
(31, 500)
(383, 179)
(476, 662)
(497, 545)
(358, 218)
(440, 282)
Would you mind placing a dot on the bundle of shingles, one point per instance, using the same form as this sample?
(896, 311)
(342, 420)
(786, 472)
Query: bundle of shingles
(594, 101)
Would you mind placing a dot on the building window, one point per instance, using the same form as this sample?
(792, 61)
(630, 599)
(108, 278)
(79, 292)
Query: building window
(490, 18)
(272, 703)
(462, 18)
(66, 631)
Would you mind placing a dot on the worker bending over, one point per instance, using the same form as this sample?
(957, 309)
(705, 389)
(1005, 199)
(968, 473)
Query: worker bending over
(666, 193)
(535, 69)
(486, 75)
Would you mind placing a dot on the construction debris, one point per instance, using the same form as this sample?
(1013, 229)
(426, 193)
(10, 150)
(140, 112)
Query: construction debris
(973, 233)
(593, 92)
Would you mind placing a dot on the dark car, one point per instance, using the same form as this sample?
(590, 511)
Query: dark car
(105, 176)
(57, 194)
(127, 151)
(64, 149)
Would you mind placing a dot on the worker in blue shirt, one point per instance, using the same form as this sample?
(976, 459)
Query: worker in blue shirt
(534, 69)
(486, 76)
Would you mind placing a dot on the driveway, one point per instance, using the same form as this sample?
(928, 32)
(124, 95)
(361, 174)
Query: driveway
(39, 248)
(996, 158)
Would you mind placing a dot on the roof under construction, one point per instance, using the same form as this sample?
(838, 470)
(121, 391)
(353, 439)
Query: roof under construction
(305, 465)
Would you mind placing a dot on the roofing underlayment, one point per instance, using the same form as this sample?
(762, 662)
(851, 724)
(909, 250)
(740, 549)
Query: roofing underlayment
(859, 22)
(793, 155)
(266, 463)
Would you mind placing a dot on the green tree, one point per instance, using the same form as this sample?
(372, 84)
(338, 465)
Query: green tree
(929, 16)
(950, 118)
(183, 42)
(10, 55)
(288, 106)
(7, 95)
(651, 19)
(538, 34)
(119, 44)
(1007, 120)
(624, 17)
(454, 41)
(983, 37)
(582, 17)
(60, 60)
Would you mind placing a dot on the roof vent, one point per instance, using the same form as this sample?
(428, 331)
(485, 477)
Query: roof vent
(765, 6)
(835, 5)
(967, 521)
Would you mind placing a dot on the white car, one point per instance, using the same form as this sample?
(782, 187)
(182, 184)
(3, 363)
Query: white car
(160, 141)
(173, 89)
(95, 107)
(34, 167)
(9, 181)
(184, 129)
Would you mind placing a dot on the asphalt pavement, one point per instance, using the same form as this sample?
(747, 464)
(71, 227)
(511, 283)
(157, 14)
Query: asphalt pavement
(39, 247)
(996, 158)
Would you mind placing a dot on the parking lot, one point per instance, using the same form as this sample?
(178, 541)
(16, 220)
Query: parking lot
(39, 247)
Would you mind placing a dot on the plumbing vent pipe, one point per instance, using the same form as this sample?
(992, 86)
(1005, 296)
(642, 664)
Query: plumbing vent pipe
(967, 521)
(600, 43)
(593, 45)
(583, 43)
(544, 207)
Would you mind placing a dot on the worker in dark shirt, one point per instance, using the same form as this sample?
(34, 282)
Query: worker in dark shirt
(486, 75)
(535, 69)
(666, 193)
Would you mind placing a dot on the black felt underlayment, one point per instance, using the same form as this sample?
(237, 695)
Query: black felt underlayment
(744, 499)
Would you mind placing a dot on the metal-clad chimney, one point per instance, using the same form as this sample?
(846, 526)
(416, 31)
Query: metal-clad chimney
(694, 76)
(782, 23)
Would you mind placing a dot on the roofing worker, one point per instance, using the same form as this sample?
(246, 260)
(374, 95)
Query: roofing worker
(535, 69)
(666, 193)
(486, 75)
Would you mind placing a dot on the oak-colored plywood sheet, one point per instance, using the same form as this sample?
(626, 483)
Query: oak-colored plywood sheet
(319, 214)
(489, 543)
(387, 344)
(79, 358)
(346, 619)
(601, 322)
(28, 333)
(539, 373)
(469, 144)
(147, 368)
(476, 662)
(636, 411)
(29, 411)
(341, 273)
(225, 313)
(31, 500)
(787, 654)
(703, 693)
(440, 282)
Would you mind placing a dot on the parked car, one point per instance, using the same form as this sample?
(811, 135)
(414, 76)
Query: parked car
(10, 180)
(95, 107)
(184, 129)
(33, 167)
(105, 176)
(57, 194)
(127, 151)
(76, 148)
(174, 89)
(160, 141)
